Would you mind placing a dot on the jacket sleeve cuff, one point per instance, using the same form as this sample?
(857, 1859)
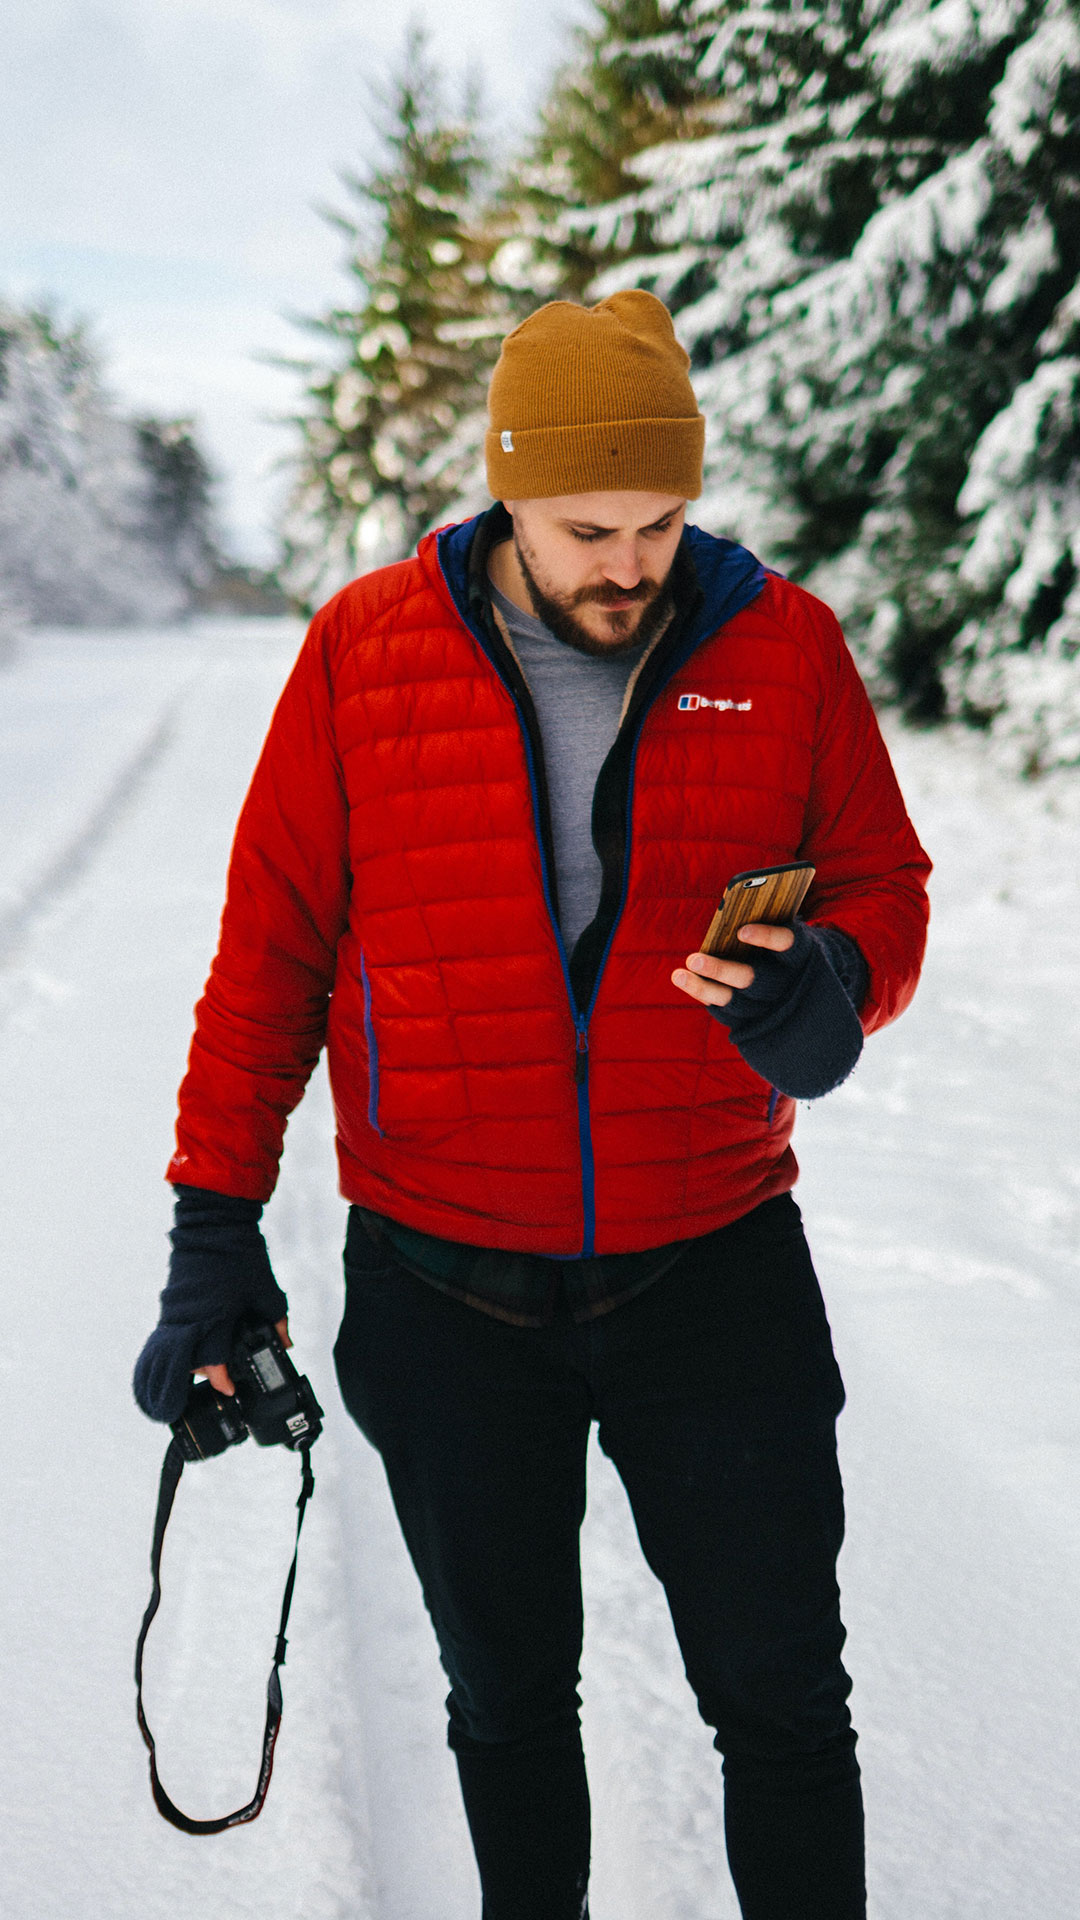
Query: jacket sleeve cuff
(806, 1042)
(846, 961)
(198, 1210)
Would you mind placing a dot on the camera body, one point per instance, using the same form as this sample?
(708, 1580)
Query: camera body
(272, 1402)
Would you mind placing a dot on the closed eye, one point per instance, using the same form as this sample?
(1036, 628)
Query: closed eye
(590, 535)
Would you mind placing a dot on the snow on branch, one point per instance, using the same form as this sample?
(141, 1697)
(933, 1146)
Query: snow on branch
(1025, 98)
(885, 276)
(939, 37)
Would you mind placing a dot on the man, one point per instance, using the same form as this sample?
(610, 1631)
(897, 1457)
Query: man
(502, 793)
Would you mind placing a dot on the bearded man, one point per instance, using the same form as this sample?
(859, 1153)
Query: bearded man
(501, 795)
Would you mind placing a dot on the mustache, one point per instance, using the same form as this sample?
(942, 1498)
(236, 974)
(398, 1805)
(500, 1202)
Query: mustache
(610, 595)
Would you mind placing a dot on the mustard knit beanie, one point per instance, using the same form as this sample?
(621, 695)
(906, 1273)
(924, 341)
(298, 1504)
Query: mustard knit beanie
(594, 399)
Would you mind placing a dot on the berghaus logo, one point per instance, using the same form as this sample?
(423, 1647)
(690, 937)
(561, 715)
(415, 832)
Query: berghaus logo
(690, 702)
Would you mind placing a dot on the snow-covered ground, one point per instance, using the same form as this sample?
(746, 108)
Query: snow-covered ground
(942, 1192)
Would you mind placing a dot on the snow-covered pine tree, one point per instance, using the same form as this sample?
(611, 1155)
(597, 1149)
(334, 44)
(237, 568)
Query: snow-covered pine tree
(79, 538)
(626, 84)
(873, 259)
(379, 458)
(894, 381)
(1015, 661)
(793, 154)
(179, 519)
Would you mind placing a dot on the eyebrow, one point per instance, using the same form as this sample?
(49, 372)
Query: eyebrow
(591, 526)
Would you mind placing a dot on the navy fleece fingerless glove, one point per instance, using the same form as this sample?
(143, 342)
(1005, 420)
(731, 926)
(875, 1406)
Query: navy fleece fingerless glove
(219, 1270)
(796, 1024)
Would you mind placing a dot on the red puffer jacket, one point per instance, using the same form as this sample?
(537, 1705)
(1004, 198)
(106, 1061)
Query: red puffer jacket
(390, 893)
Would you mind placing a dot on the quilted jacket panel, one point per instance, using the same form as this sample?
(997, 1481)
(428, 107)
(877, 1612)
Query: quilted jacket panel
(387, 895)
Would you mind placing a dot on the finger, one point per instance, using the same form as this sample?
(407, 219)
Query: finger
(281, 1328)
(778, 939)
(729, 973)
(707, 992)
(219, 1377)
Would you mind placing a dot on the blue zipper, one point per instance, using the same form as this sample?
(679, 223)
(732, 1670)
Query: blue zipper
(588, 1164)
(674, 667)
(581, 1036)
(372, 1051)
(588, 1167)
(581, 1021)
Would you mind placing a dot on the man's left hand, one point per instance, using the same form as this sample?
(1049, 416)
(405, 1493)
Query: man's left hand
(711, 981)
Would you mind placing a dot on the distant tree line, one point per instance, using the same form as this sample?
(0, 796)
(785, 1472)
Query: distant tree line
(104, 518)
(865, 215)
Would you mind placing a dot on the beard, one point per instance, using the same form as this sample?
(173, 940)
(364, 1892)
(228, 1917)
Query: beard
(628, 627)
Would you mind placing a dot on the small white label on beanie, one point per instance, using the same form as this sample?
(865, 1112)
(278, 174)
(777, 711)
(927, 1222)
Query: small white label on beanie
(506, 440)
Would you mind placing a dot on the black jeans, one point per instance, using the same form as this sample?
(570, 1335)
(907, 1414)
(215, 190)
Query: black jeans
(716, 1393)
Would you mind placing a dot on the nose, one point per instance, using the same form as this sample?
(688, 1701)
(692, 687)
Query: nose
(623, 566)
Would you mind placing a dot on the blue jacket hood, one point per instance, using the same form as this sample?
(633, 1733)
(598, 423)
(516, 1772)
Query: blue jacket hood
(729, 576)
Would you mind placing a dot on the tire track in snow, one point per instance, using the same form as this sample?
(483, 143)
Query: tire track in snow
(88, 1092)
(62, 872)
(396, 1788)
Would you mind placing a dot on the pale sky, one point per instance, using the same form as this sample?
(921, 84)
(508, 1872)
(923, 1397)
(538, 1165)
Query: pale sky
(159, 165)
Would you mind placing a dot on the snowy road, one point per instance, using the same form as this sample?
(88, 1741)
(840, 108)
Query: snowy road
(942, 1192)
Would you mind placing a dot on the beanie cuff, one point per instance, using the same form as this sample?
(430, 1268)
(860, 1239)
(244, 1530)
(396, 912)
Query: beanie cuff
(604, 456)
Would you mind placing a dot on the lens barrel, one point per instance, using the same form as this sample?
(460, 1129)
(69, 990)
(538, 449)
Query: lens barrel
(209, 1424)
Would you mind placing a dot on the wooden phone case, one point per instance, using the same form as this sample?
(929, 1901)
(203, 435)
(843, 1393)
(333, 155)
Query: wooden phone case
(769, 895)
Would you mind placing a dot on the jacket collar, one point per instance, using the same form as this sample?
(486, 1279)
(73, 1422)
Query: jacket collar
(714, 580)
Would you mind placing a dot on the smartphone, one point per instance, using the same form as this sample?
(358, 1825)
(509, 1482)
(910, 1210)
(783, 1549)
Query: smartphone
(770, 896)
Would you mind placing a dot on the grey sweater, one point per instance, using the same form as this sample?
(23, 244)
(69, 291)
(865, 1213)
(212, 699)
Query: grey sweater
(578, 699)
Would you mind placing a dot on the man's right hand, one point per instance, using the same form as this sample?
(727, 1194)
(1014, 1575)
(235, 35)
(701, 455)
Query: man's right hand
(219, 1272)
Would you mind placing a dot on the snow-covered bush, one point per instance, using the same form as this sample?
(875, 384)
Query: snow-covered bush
(1016, 664)
(83, 490)
(12, 621)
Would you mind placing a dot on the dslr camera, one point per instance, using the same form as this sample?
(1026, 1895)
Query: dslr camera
(272, 1402)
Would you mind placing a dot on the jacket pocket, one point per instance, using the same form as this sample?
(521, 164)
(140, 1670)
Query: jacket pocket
(372, 1050)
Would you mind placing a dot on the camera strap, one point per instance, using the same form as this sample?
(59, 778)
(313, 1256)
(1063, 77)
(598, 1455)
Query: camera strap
(172, 1468)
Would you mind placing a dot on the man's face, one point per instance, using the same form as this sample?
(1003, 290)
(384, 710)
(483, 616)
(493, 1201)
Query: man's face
(596, 565)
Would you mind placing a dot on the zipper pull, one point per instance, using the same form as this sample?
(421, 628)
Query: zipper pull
(581, 1055)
